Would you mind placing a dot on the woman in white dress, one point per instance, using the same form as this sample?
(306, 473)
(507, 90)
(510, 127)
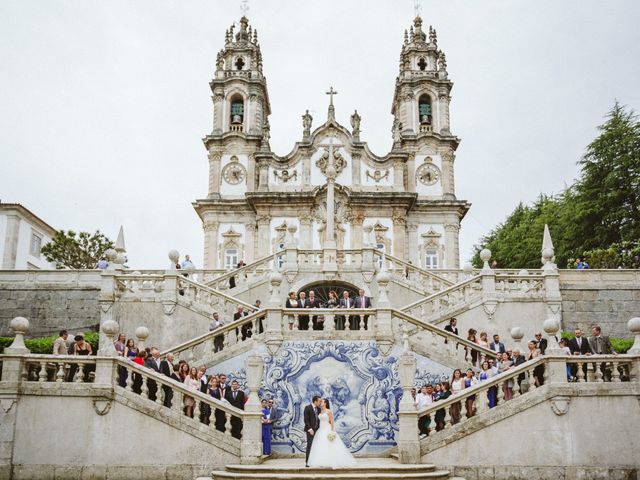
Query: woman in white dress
(327, 449)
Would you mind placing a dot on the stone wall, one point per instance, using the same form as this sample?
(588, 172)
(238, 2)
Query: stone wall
(608, 298)
(50, 308)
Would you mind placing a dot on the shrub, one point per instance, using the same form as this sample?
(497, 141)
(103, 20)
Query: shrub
(619, 345)
(44, 345)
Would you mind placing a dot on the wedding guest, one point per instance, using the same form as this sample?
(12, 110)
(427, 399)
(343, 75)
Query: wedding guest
(457, 385)
(519, 359)
(345, 302)
(218, 340)
(292, 302)
(245, 330)
(541, 343)
(258, 304)
(507, 386)
(361, 301)
(214, 391)
(187, 263)
(236, 398)
(423, 400)
(139, 359)
(469, 381)
(191, 383)
(60, 345)
(440, 413)
(564, 345)
(205, 410)
(166, 368)
(497, 346)
(317, 322)
(538, 371)
(303, 320)
(184, 370)
(483, 340)
(130, 350)
(471, 336)
(266, 427)
(232, 279)
(437, 392)
(83, 348)
(332, 302)
(485, 375)
(451, 327)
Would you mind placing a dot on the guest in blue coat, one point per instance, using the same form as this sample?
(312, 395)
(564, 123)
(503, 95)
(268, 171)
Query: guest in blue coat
(266, 428)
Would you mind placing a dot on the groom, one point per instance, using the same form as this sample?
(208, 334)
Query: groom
(311, 422)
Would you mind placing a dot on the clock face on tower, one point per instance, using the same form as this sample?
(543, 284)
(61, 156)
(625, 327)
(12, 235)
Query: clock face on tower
(428, 174)
(234, 173)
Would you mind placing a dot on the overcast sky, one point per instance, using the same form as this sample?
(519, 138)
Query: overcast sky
(103, 104)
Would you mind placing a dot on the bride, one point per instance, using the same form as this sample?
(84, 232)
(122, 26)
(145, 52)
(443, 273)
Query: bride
(327, 449)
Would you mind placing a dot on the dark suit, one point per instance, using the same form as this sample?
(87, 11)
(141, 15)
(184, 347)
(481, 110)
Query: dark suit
(150, 362)
(542, 345)
(340, 320)
(579, 349)
(246, 328)
(500, 345)
(600, 345)
(166, 369)
(303, 320)
(218, 414)
(238, 402)
(451, 329)
(311, 422)
(360, 302)
(519, 360)
(315, 303)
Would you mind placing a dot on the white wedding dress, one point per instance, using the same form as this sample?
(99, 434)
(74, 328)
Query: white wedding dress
(328, 453)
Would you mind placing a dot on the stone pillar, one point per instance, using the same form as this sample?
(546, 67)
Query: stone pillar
(448, 186)
(356, 230)
(634, 327)
(384, 331)
(413, 250)
(210, 228)
(264, 242)
(398, 176)
(249, 245)
(263, 175)
(408, 439)
(411, 173)
(11, 236)
(451, 246)
(489, 299)
(291, 249)
(251, 442)
(217, 114)
(106, 301)
(305, 232)
(273, 323)
(356, 165)
(551, 279)
(214, 174)
(399, 233)
(444, 100)
(251, 173)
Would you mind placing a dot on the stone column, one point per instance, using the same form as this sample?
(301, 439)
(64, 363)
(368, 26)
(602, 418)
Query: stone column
(408, 438)
(411, 173)
(263, 175)
(448, 186)
(398, 176)
(106, 300)
(251, 173)
(249, 242)
(11, 242)
(551, 279)
(273, 323)
(489, 299)
(356, 230)
(384, 332)
(444, 100)
(217, 114)
(251, 442)
(264, 242)
(451, 247)
(214, 174)
(399, 233)
(413, 250)
(305, 232)
(210, 228)
(356, 163)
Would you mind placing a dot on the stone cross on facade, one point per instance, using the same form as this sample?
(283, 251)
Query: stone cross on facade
(332, 111)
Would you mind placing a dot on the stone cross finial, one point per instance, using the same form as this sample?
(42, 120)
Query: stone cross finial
(244, 7)
(332, 111)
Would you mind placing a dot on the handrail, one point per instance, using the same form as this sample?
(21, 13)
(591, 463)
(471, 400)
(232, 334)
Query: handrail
(444, 292)
(215, 292)
(448, 336)
(413, 267)
(246, 268)
(227, 327)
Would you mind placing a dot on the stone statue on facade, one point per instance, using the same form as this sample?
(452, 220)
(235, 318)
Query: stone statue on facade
(355, 124)
(307, 119)
(395, 130)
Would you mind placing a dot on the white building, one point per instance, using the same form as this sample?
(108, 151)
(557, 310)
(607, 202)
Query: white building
(22, 234)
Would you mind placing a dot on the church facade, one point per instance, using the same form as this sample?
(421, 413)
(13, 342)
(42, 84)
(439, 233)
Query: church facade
(331, 192)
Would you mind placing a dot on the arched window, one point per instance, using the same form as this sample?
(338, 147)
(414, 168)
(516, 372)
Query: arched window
(237, 112)
(424, 110)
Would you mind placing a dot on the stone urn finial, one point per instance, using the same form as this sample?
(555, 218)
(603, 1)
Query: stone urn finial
(551, 327)
(110, 328)
(367, 235)
(517, 333)
(142, 333)
(174, 256)
(634, 327)
(20, 326)
(110, 254)
(485, 256)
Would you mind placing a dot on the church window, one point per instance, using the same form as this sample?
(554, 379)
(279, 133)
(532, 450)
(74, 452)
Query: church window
(230, 258)
(239, 63)
(36, 243)
(424, 110)
(280, 258)
(431, 259)
(237, 110)
(422, 64)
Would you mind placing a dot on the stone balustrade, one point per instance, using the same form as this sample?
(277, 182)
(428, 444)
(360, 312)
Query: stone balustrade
(525, 284)
(328, 319)
(446, 302)
(58, 369)
(247, 274)
(36, 278)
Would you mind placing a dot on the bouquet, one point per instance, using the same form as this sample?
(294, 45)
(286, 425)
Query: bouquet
(331, 436)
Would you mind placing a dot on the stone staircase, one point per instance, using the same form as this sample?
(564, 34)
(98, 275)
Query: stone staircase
(367, 468)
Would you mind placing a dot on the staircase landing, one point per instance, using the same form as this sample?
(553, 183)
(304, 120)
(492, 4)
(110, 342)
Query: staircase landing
(366, 469)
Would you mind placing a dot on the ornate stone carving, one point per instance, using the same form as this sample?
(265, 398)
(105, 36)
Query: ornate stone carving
(285, 176)
(307, 120)
(560, 405)
(101, 406)
(378, 175)
(263, 219)
(451, 227)
(428, 173)
(339, 163)
(234, 172)
(210, 224)
(399, 219)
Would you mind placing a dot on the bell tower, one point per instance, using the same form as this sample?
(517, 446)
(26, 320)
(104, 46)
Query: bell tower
(240, 105)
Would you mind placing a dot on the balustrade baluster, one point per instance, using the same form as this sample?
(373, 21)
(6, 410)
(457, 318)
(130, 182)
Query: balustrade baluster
(145, 388)
(159, 394)
(42, 375)
(79, 376)
(296, 321)
(598, 373)
(226, 339)
(516, 387)
(500, 393)
(615, 374)
(361, 323)
(197, 409)
(482, 401)
(448, 420)
(330, 322)
(532, 380)
(580, 374)
(176, 401)
(60, 372)
(129, 382)
(227, 419)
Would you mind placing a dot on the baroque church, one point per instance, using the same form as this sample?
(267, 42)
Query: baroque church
(331, 192)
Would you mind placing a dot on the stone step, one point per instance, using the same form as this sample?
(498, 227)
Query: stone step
(361, 468)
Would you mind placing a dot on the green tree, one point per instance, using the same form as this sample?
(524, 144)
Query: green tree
(76, 251)
(598, 216)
